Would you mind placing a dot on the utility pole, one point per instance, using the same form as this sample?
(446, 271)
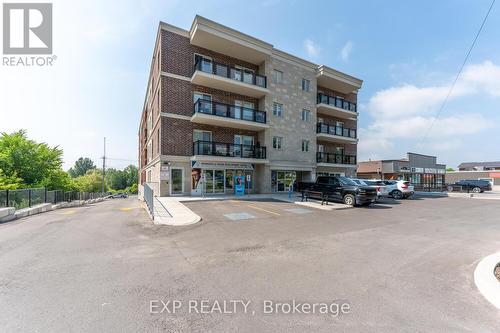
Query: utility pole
(103, 165)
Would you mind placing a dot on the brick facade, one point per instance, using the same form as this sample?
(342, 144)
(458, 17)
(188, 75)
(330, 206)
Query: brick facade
(178, 137)
(177, 96)
(178, 55)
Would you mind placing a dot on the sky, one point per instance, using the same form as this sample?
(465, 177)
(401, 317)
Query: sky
(406, 53)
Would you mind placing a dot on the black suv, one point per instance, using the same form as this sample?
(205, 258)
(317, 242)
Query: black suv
(470, 185)
(343, 189)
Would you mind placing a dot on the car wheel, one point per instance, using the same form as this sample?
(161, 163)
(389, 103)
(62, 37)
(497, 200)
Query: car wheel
(450, 188)
(398, 195)
(349, 199)
(476, 190)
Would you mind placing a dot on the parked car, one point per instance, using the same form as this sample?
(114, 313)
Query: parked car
(399, 189)
(342, 189)
(378, 184)
(118, 195)
(470, 185)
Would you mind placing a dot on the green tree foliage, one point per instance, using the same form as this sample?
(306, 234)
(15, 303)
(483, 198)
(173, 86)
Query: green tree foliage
(450, 169)
(82, 165)
(90, 182)
(10, 182)
(122, 179)
(30, 164)
(116, 179)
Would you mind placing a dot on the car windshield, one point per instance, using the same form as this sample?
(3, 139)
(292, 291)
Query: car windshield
(346, 181)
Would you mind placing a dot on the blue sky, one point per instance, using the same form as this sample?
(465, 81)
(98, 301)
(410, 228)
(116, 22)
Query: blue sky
(407, 54)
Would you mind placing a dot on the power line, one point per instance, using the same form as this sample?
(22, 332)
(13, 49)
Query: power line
(458, 74)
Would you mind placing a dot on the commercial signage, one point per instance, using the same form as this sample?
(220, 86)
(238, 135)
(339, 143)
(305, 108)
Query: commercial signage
(222, 165)
(239, 185)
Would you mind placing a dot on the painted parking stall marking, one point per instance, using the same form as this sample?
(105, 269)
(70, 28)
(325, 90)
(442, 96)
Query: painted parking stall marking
(298, 210)
(239, 216)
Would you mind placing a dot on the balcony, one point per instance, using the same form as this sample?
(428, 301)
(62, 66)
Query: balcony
(223, 77)
(334, 133)
(336, 107)
(332, 79)
(220, 114)
(216, 37)
(335, 160)
(219, 151)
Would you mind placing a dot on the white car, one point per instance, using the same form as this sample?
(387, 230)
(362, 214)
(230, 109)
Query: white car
(398, 189)
(376, 183)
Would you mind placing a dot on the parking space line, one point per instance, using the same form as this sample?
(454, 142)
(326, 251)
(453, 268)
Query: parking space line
(264, 210)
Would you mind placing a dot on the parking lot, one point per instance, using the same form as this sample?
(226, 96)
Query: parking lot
(402, 266)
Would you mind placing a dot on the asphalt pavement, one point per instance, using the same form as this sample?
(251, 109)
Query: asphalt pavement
(399, 266)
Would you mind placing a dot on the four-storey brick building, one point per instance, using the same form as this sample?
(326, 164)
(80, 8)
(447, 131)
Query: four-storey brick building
(221, 104)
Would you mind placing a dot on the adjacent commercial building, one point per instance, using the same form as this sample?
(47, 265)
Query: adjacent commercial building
(422, 171)
(476, 170)
(222, 104)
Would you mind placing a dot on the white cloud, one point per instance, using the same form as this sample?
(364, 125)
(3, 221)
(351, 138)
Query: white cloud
(405, 114)
(345, 53)
(311, 48)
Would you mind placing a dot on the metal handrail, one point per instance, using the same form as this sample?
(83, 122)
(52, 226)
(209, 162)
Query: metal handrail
(336, 130)
(209, 66)
(229, 111)
(335, 158)
(337, 102)
(223, 149)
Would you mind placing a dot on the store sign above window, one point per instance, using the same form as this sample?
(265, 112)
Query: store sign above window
(222, 165)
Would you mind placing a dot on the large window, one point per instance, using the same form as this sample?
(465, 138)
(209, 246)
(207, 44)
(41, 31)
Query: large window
(306, 115)
(277, 142)
(277, 109)
(305, 145)
(306, 85)
(199, 135)
(277, 76)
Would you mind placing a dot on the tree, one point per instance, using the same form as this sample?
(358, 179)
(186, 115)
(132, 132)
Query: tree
(90, 182)
(116, 179)
(82, 165)
(9, 182)
(28, 163)
(450, 169)
(132, 175)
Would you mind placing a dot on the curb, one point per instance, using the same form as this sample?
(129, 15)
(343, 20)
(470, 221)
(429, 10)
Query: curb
(485, 280)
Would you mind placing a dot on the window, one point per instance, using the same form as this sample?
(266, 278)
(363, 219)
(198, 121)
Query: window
(199, 135)
(305, 145)
(205, 102)
(277, 76)
(158, 144)
(306, 115)
(277, 109)
(306, 84)
(277, 142)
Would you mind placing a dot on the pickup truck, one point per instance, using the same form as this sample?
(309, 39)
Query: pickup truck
(342, 189)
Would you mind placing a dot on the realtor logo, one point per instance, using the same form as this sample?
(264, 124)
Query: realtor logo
(27, 28)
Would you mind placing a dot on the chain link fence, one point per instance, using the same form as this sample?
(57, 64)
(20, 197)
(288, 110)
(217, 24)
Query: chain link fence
(23, 198)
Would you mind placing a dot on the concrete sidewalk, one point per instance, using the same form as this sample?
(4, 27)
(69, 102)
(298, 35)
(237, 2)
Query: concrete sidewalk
(170, 211)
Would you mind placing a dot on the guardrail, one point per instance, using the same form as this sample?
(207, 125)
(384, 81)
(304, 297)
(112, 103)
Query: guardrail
(337, 102)
(229, 111)
(28, 197)
(228, 149)
(148, 197)
(243, 75)
(336, 130)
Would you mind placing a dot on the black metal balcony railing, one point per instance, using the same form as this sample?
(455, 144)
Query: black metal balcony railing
(229, 111)
(335, 158)
(228, 150)
(336, 130)
(338, 102)
(238, 74)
